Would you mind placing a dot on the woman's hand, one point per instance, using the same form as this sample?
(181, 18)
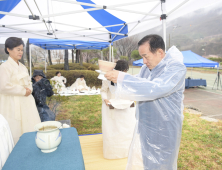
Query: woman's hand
(28, 91)
(106, 101)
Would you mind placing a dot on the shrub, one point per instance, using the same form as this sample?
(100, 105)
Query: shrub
(72, 66)
(72, 75)
(216, 59)
(124, 58)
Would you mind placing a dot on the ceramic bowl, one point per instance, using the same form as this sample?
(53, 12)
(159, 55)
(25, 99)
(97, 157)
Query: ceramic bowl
(48, 140)
(106, 66)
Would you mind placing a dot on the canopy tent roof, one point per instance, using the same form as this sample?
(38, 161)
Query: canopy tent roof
(190, 59)
(57, 44)
(86, 20)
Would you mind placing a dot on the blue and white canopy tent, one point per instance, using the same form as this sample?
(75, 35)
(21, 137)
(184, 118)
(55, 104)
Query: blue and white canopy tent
(190, 59)
(86, 20)
(58, 44)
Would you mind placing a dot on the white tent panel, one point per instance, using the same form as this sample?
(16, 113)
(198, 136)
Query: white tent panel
(71, 21)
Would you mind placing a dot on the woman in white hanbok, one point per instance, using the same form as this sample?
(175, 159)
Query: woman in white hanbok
(117, 124)
(80, 84)
(60, 82)
(17, 104)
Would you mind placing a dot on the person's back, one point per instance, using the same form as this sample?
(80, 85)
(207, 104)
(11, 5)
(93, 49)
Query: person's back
(117, 123)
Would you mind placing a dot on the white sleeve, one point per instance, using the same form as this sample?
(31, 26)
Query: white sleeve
(141, 89)
(6, 87)
(104, 89)
(85, 86)
(53, 79)
(64, 79)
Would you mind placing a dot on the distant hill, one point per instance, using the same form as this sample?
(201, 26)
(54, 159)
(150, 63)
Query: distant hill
(198, 30)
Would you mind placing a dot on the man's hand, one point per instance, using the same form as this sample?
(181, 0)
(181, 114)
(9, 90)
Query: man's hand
(28, 91)
(106, 101)
(112, 76)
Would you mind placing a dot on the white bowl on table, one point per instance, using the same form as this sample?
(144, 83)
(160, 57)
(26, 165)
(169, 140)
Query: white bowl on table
(48, 139)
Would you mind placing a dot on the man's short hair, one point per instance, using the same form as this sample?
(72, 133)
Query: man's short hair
(155, 41)
(82, 76)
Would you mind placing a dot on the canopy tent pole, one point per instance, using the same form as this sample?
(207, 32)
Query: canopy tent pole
(101, 54)
(163, 18)
(112, 55)
(45, 65)
(132, 67)
(110, 52)
(30, 60)
(191, 72)
(75, 55)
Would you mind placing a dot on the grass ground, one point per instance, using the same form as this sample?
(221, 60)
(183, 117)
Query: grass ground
(84, 113)
(201, 143)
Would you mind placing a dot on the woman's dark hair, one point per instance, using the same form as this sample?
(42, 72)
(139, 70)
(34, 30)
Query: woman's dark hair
(155, 41)
(82, 76)
(122, 65)
(13, 42)
(58, 73)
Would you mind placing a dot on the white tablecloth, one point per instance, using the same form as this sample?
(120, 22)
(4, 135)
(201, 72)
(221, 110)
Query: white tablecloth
(68, 93)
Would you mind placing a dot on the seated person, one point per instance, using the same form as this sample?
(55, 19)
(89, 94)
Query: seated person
(80, 84)
(41, 90)
(60, 81)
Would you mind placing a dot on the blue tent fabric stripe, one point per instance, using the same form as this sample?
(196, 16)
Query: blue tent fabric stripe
(105, 18)
(7, 6)
(57, 44)
(190, 59)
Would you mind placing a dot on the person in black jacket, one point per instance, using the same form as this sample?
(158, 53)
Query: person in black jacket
(41, 90)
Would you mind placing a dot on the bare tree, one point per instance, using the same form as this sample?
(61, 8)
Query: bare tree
(49, 57)
(39, 53)
(126, 46)
(77, 56)
(66, 60)
(73, 55)
(57, 55)
(27, 53)
(106, 53)
(81, 58)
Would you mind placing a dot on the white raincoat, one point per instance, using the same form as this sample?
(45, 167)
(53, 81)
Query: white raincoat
(60, 86)
(159, 112)
(79, 85)
(19, 111)
(117, 125)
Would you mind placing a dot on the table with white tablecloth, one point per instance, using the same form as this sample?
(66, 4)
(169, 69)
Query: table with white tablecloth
(73, 93)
